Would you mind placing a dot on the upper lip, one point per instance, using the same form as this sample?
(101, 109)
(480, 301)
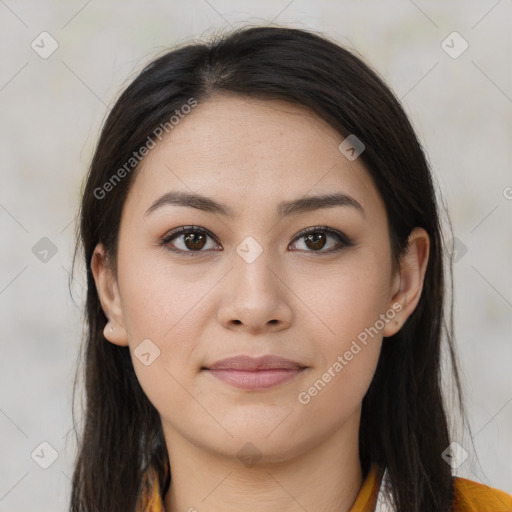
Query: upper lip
(267, 362)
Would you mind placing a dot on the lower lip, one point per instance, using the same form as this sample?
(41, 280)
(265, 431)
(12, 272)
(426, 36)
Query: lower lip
(256, 379)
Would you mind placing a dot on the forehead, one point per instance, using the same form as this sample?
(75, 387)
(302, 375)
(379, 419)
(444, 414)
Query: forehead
(249, 152)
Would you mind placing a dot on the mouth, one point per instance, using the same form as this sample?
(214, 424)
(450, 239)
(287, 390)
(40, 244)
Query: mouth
(250, 373)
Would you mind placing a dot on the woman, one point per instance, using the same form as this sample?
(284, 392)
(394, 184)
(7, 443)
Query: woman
(265, 292)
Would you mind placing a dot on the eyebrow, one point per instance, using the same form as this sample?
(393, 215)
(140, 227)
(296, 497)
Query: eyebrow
(285, 208)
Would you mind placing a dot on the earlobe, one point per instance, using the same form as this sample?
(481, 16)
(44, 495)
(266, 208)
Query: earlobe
(408, 284)
(108, 294)
(115, 334)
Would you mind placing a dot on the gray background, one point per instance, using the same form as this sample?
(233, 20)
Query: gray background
(51, 111)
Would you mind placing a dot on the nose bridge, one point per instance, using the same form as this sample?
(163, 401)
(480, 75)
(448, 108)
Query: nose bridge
(253, 261)
(257, 298)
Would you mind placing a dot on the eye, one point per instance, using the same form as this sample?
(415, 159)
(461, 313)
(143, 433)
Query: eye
(315, 239)
(191, 238)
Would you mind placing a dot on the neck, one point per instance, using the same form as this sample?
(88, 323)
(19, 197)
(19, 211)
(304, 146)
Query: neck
(324, 478)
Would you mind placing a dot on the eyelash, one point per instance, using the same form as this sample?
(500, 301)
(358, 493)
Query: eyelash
(342, 238)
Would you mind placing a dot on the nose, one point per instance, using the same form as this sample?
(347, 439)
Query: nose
(256, 296)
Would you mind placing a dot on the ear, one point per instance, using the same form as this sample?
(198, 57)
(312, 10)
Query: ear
(110, 299)
(408, 281)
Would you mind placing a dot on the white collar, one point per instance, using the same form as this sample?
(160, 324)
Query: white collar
(383, 503)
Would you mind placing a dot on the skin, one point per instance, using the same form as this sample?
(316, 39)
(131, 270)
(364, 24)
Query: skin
(302, 304)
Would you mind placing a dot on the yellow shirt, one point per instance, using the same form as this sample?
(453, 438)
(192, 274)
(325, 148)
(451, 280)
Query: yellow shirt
(469, 496)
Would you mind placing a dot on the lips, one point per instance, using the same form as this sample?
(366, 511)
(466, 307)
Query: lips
(255, 374)
(247, 363)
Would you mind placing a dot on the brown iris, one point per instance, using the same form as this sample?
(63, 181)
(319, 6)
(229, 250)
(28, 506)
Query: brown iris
(317, 240)
(196, 240)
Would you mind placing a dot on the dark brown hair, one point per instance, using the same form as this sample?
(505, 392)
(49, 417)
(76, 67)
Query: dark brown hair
(404, 423)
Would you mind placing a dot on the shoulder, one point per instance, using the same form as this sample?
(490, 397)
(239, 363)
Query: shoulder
(470, 496)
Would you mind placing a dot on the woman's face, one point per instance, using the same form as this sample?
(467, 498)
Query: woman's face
(247, 283)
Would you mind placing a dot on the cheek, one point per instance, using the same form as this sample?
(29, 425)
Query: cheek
(344, 300)
(348, 307)
(160, 306)
(158, 298)
(163, 310)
